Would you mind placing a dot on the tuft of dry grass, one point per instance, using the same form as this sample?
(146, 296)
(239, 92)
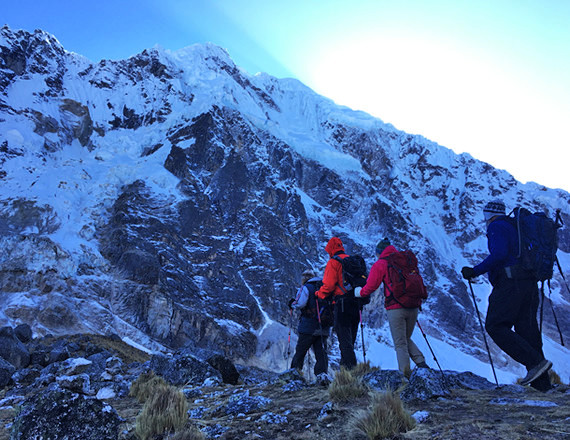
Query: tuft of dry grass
(363, 368)
(554, 377)
(146, 385)
(346, 386)
(386, 417)
(188, 433)
(165, 411)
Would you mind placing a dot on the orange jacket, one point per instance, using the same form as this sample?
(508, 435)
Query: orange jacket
(333, 271)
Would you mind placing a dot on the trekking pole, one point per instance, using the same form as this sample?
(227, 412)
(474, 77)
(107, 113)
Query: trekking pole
(362, 335)
(541, 305)
(287, 354)
(320, 327)
(562, 274)
(483, 331)
(559, 223)
(553, 314)
(432, 352)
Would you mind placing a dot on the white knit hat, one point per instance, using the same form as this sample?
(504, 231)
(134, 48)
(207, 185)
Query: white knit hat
(493, 208)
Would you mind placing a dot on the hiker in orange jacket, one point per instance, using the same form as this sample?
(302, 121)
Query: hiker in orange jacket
(402, 320)
(346, 308)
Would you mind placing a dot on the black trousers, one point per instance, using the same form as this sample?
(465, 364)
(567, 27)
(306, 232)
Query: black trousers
(347, 318)
(513, 304)
(319, 345)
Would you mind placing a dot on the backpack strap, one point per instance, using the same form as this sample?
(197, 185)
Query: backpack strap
(337, 258)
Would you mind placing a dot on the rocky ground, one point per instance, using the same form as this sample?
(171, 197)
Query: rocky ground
(260, 404)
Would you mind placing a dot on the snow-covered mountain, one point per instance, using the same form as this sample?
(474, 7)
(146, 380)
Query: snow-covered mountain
(174, 199)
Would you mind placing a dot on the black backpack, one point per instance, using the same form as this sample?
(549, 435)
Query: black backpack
(538, 242)
(354, 273)
(324, 313)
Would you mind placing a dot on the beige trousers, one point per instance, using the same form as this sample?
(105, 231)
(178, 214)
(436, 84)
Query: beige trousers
(402, 323)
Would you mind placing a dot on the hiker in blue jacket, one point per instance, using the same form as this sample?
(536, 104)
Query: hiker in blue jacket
(514, 299)
(314, 324)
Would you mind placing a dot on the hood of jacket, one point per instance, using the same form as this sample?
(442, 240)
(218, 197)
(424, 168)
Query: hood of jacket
(388, 250)
(333, 246)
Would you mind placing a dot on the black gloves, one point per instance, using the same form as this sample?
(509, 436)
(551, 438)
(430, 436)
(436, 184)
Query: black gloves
(290, 303)
(467, 272)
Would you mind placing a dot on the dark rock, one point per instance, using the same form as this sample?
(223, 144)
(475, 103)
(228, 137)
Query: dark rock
(243, 403)
(59, 354)
(382, 380)
(98, 363)
(323, 380)
(114, 365)
(273, 419)
(326, 411)
(6, 372)
(79, 383)
(426, 383)
(12, 349)
(60, 414)
(73, 366)
(291, 380)
(254, 375)
(26, 376)
(24, 333)
(467, 380)
(290, 375)
(40, 357)
(181, 369)
(226, 368)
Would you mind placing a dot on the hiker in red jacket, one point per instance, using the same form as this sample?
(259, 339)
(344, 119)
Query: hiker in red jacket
(402, 320)
(346, 308)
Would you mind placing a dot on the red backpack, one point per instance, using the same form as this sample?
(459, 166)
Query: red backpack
(407, 287)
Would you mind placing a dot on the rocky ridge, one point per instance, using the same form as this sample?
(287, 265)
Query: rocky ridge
(77, 387)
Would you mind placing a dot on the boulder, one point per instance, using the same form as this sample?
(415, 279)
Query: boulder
(226, 368)
(426, 383)
(40, 356)
(12, 349)
(24, 333)
(180, 369)
(382, 380)
(79, 383)
(243, 403)
(6, 372)
(26, 376)
(73, 366)
(59, 414)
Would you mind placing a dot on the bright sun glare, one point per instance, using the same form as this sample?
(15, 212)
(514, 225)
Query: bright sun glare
(439, 91)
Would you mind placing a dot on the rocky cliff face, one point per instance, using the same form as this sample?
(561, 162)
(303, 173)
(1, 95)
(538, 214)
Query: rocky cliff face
(174, 200)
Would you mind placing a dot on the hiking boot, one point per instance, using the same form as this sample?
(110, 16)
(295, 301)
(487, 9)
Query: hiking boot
(422, 365)
(542, 383)
(536, 371)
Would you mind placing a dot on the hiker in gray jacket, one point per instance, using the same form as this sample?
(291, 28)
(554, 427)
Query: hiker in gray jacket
(314, 324)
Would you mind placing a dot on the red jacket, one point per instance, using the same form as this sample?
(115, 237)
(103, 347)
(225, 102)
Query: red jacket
(332, 277)
(378, 275)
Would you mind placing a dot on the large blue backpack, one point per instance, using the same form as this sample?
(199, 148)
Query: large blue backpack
(538, 242)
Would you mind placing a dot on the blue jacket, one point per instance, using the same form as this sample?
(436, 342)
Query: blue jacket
(503, 244)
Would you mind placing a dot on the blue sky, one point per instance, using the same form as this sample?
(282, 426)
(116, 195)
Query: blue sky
(491, 78)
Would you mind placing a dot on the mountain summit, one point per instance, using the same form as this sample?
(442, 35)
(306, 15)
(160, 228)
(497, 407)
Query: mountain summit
(174, 200)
